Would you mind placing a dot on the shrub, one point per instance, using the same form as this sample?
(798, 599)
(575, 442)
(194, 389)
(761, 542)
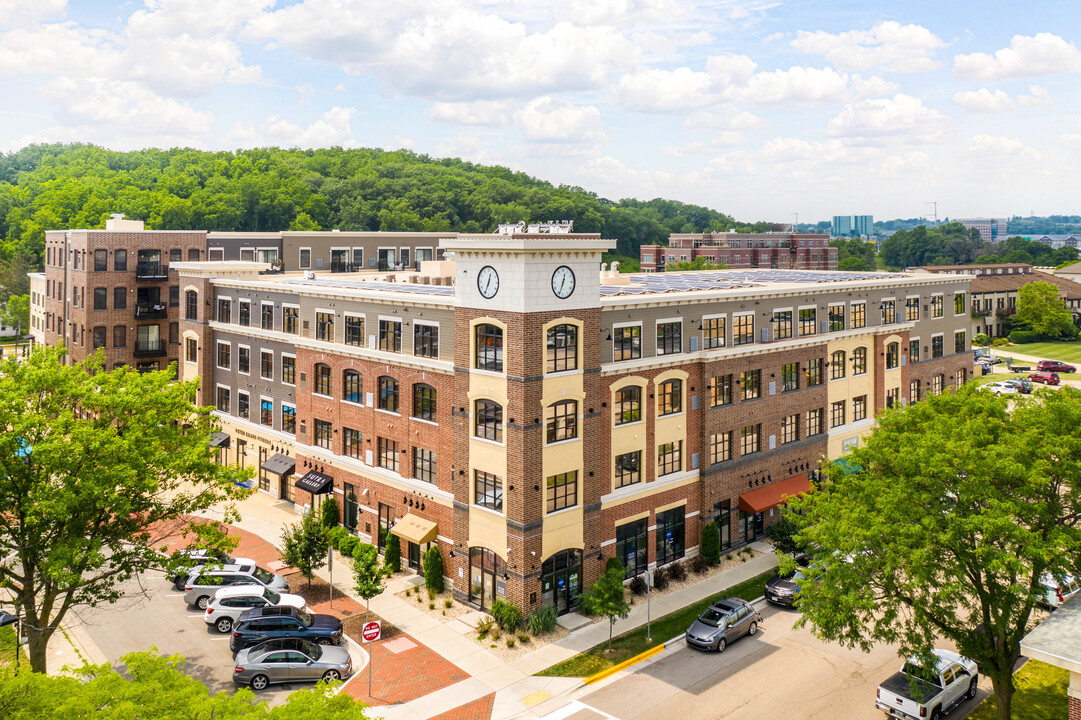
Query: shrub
(497, 632)
(711, 543)
(484, 627)
(660, 578)
(543, 620)
(328, 513)
(783, 532)
(1022, 337)
(347, 545)
(510, 641)
(699, 565)
(408, 592)
(613, 562)
(419, 598)
(431, 606)
(431, 594)
(508, 616)
(981, 339)
(677, 572)
(638, 585)
(523, 638)
(392, 554)
(433, 570)
(448, 604)
(336, 534)
(1000, 342)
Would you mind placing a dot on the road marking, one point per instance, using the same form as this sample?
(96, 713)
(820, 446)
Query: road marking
(180, 595)
(199, 616)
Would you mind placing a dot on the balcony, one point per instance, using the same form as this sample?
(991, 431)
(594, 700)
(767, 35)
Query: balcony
(151, 272)
(1005, 311)
(342, 267)
(150, 311)
(151, 348)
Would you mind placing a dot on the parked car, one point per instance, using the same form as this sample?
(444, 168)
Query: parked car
(920, 692)
(202, 585)
(1055, 366)
(1047, 378)
(986, 369)
(784, 589)
(198, 558)
(1054, 592)
(229, 603)
(722, 622)
(1000, 388)
(991, 359)
(267, 623)
(1023, 385)
(290, 660)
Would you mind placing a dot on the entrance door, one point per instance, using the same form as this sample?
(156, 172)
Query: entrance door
(486, 570)
(414, 556)
(561, 580)
(339, 260)
(264, 477)
(286, 489)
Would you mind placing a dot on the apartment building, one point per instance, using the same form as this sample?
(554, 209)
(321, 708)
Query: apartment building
(37, 308)
(532, 415)
(991, 229)
(778, 250)
(328, 250)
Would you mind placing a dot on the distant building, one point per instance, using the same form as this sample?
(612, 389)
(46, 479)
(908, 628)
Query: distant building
(991, 229)
(1055, 241)
(37, 308)
(853, 225)
(787, 250)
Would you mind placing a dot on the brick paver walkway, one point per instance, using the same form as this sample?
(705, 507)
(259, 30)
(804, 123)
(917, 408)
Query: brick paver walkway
(479, 709)
(403, 676)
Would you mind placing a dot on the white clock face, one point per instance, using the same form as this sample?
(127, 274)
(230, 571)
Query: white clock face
(563, 282)
(488, 281)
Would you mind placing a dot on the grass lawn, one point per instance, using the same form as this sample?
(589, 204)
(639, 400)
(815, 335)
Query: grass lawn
(1066, 351)
(7, 645)
(1040, 695)
(632, 643)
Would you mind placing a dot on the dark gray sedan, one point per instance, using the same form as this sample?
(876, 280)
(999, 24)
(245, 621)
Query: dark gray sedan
(721, 623)
(286, 660)
(784, 589)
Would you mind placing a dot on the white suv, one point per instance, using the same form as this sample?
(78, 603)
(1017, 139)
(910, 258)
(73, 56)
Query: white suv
(225, 608)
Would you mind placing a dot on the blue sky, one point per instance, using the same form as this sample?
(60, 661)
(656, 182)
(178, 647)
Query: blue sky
(759, 108)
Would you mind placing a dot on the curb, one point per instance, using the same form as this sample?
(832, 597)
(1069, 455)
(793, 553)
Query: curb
(623, 665)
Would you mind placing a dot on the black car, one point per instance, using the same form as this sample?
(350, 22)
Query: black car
(270, 623)
(784, 589)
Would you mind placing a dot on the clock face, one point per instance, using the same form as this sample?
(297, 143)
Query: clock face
(563, 282)
(488, 281)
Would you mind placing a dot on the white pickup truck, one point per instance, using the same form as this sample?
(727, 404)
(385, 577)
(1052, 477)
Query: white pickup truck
(919, 692)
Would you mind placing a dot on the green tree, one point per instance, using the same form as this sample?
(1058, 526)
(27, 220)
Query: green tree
(699, 263)
(303, 221)
(608, 597)
(305, 545)
(17, 312)
(433, 569)
(1040, 307)
(392, 553)
(853, 264)
(151, 686)
(96, 468)
(368, 574)
(959, 508)
(783, 532)
(711, 543)
(328, 512)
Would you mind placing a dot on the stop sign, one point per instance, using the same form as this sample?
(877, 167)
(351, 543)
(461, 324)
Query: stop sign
(371, 631)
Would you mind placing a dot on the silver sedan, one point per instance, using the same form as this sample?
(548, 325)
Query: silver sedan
(286, 660)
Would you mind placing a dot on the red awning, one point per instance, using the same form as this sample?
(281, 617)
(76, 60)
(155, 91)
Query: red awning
(773, 495)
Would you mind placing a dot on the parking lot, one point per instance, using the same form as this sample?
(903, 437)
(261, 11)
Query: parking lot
(154, 614)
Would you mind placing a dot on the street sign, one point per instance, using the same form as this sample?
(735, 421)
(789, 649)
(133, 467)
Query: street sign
(649, 577)
(371, 631)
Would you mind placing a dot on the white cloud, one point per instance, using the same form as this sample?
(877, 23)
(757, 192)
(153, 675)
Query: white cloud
(307, 93)
(1043, 54)
(990, 147)
(728, 70)
(698, 149)
(480, 112)
(797, 85)
(1039, 96)
(666, 90)
(724, 117)
(889, 45)
(122, 106)
(897, 120)
(1072, 140)
(626, 12)
(333, 128)
(550, 120)
(983, 100)
(18, 13)
(874, 86)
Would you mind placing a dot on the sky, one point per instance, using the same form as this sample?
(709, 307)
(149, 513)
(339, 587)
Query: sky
(763, 109)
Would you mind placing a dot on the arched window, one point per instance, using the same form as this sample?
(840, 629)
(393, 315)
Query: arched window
(859, 361)
(837, 365)
(488, 420)
(489, 347)
(670, 397)
(561, 420)
(893, 355)
(191, 305)
(353, 384)
(562, 348)
(322, 379)
(424, 402)
(388, 394)
(487, 572)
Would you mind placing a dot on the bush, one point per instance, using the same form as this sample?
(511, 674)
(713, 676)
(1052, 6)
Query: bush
(638, 585)
(981, 339)
(699, 565)
(783, 532)
(328, 513)
(510, 641)
(1000, 342)
(543, 620)
(392, 553)
(433, 570)
(484, 627)
(508, 616)
(431, 606)
(448, 604)
(432, 594)
(711, 543)
(613, 562)
(347, 545)
(660, 578)
(677, 572)
(1022, 337)
(336, 534)
(523, 638)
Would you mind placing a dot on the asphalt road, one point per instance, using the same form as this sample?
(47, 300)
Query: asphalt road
(777, 673)
(153, 614)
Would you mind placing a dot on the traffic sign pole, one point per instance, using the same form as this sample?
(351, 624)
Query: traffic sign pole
(330, 567)
(371, 632)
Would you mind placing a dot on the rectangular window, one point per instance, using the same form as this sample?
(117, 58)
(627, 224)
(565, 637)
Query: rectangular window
(488, 490)
(751, 381)
(859, 315)
(390, 336)
(670, 535)
(937, 309)
(561, 421)
(720, 447)
(669, 338)
(174, 296)
(120, 261)
(750, 439)
(627, 343)
(814, 372)
(789, 377)
(859, 408)
(488, 347)
(305, 258)
(632, 546)
(889, 312)
(223, 399)
(959, 341)
(388, 454)
(99, 337)
(914, 350)
(628, 405)
(174, 333)
(352, 440)
(243, 407)
(808, 321)
(836, 316)
(912, 309)
(488, 420)
(289, 370)
(324, 433)
(266, 317)
(893, 358)
(937, 346)
(628, 468)
(837, 365)
(291, 320)
(670, 458)
(266, 412)
(289, 419)
(562, 349)
(101, 298)
(782, 324)
(959, 306)
(670, 397)
(837, 413)
(743, 329)
(424, 464)
(266, 364)
(425, 340)
(561, 491)
(814, 422)
(720, 390)
(120, 298)
(893, 397)
(223, 355)
(913, 392)
(324, 326)
(354, 330)
(101, 260)
(789, 429)
(714, 329)
(423, 401)
(243, 359)
(225, 311)
(191, 348)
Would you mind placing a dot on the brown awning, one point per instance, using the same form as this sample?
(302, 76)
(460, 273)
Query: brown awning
(415, 529)
(773, 495)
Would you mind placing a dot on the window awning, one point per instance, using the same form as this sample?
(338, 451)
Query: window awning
(280, 464)
(415, 529)
(773, 495)
(219, 439)
(315, 482)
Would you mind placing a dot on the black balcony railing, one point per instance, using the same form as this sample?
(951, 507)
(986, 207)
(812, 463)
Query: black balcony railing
(344, 267)
(150, 348)
(147, 311)
(151, 271)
